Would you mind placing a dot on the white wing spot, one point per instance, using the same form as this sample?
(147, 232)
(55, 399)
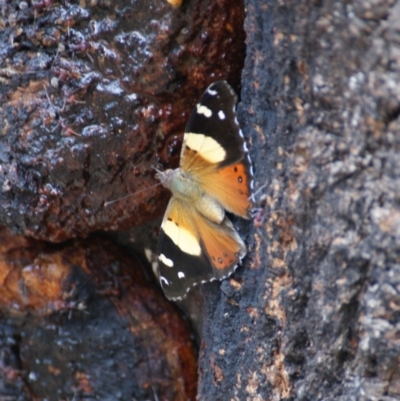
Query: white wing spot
(164, 280)
(206, 146)
(182, 238)
(203, 110)
(221, 115)
(166, 261)
(181, 274)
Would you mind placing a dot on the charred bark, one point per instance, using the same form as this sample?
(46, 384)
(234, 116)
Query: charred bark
(314, 313)
(81, 321)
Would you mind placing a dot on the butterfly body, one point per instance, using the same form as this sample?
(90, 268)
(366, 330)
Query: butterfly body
(181, 184)
(198, 242)
(186, 189)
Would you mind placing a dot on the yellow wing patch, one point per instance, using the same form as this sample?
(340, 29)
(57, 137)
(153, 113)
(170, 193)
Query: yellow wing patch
(178, 225)
(207, 147)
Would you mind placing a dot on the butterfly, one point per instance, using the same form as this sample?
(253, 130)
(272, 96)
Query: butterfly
(197, 241)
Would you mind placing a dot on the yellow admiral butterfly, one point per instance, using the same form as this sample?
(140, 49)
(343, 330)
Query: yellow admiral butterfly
(198, 242)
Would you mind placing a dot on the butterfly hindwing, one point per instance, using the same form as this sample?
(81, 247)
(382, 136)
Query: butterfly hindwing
(194, 250)
(222, 244)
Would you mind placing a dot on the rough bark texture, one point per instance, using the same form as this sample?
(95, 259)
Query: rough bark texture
(314, 314)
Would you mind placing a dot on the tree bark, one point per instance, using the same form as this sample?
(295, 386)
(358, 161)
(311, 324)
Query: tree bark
(92, 95)
(314, 313)
(82, 321)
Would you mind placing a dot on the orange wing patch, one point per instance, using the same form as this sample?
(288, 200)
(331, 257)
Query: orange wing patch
(222, 244)
(230, 186)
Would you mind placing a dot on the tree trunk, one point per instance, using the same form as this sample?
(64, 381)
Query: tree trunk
(314, 314)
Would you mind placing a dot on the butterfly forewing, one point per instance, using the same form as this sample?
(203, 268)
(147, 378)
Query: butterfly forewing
(231, 187)
(214, 150)
(212, 130)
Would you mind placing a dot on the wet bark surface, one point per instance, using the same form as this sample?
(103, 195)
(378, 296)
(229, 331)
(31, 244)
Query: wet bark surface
(314, 313)
(92, 94)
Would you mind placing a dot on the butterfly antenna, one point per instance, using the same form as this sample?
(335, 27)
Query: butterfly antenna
(106, 204)
(260, 189)
(154, 393)
(157, 170)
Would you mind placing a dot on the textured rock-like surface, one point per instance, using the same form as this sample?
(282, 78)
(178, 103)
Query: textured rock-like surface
(315, 313)
(80, 321)
(91, 95)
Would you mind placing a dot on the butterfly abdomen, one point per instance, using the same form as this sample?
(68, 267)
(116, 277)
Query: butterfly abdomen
(210, 208)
